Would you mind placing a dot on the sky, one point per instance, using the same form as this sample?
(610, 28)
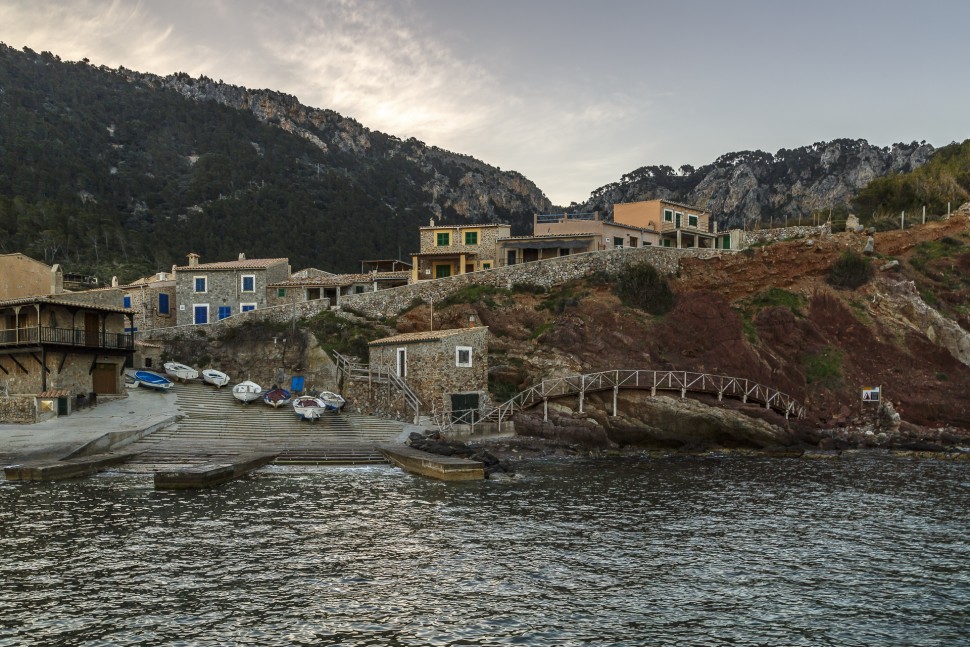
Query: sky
(570, 93)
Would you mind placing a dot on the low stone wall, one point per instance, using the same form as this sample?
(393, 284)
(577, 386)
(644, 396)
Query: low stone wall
(277, 314)
(757, 236)
(545, 273)
(18, 409)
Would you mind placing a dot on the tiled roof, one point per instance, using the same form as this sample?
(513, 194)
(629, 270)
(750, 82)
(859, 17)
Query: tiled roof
(61, 302)
(427, 335)
(248, 264)
(584, 233)
(54, 393)
(454, 253)
(490, 224)
(147, 344)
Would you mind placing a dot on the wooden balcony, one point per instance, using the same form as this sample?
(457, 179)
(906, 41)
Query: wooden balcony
(71, 337)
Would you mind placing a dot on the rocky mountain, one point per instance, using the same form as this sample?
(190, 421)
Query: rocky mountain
(114, 172)
(752, 187)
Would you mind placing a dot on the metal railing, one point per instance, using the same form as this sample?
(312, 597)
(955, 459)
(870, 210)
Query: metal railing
(682, 381)
(358, 372)
(66, 337)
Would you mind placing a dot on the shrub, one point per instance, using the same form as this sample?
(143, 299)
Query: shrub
(824, 368)
(642, 286)
(780, 298)
(474, 293)
(850, 271)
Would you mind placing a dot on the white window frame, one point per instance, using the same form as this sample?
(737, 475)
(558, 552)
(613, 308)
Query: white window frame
(402, 361)
(243, 306)
(205, 282)
(697, 220)
(196, 306)
(458, 352)
(668, 215)
(242, 283)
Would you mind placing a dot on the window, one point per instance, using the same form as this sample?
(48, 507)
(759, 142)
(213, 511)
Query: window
(443, 239)
(127, 301)
(200, 313)
(691, 220)
(471, 237)
(201, 284)
(358, 289)
(668, 215)
(246, 307)
(281, 292)
(248, 283)
(666, 242)
(678, 219)
(463, 356)
(402, 362)
(225, 311)
(163, 304)
(442, 271)
(486, 265)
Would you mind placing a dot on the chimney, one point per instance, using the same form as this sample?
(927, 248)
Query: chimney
(173, 269)
(242, 256)
(431, 223)
(114, 281)
(193, 259)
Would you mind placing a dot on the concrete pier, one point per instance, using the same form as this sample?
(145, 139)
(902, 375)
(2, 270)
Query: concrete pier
(210, 474)
(52, 470)
(443, 468)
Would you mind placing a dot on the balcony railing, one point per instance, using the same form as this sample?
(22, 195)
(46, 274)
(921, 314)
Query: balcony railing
(66, 337)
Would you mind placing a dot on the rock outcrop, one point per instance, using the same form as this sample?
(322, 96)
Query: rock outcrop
(755, 186)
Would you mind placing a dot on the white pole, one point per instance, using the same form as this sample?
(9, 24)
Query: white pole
(924, 214)
(902, 220)
(431, 303)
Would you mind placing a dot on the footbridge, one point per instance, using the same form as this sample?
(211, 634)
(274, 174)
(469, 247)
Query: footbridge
(578, 386)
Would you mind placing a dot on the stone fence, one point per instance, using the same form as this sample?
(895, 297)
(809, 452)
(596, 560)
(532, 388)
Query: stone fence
(18, 408)
(276, 314)
(757, 236)
(545, 273)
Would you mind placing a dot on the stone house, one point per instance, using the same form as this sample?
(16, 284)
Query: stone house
(446, 369)
(54, 344)
(562, 234)
(447, 250)
(679, 225)
(208, 292)
(332, 287)
(152, 301)
(22, 276)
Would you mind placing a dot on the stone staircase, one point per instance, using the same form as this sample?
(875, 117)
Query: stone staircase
(217, 426)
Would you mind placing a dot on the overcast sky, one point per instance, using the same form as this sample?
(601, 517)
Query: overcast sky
(573, 94)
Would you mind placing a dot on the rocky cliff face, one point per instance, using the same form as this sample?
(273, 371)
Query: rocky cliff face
(461, 187)
(753, 186)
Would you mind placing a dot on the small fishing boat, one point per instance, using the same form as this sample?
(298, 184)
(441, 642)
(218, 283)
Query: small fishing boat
(130, 381)
(153, 380)
(247, 391)
(215, 378)
(333, 401)
(308, 407)
(180, 371)
(277, 397)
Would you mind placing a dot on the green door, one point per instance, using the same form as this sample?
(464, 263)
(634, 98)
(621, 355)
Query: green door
(442, 271)
(464, 407)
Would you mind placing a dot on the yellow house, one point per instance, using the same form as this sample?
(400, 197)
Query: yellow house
(447, 250)
(679, 225)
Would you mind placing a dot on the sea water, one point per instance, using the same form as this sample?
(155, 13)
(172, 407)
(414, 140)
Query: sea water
(685, 551)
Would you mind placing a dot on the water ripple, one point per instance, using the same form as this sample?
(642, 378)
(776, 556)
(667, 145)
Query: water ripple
(676, 551)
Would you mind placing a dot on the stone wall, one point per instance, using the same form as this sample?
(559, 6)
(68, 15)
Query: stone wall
(303, 310)
(223, 288)
(757, 236)
(18, 409)
(110, 297)
(546, 273)
(144, 303)
(72, 373)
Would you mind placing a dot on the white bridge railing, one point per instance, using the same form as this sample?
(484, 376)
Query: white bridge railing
(579, 385)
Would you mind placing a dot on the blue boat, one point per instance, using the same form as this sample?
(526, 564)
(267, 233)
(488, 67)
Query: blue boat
(152, 380)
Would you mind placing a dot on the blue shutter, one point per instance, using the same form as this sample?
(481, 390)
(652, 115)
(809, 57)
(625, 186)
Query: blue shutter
(225, 311)
(249, 284)
(127, 301)
(163, 304)
(201, 314)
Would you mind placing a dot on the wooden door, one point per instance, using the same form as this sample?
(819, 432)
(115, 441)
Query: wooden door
(104, 379)
(91, 329)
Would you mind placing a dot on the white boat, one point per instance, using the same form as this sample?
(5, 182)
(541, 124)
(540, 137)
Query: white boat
(180, 371)
(247, 391)
(308, 407)
(333, 401)
(214, 377)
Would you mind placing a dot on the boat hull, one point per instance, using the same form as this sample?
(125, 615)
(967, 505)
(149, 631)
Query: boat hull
(180, 371)
(216, 378)
(332, 401)
(247, 391)
(309, 408)
(277, 397)
(153, 380)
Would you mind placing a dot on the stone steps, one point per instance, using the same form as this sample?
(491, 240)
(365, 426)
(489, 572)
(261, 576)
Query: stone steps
(216, 425)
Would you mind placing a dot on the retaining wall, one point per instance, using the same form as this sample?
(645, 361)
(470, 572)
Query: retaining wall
(757, 236)
(546, 273)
